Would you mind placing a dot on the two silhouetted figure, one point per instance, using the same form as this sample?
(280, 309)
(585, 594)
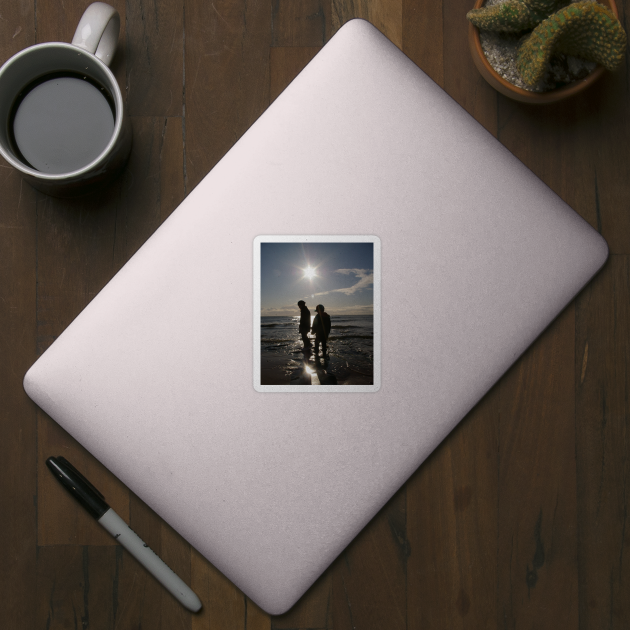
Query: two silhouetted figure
(320, 328)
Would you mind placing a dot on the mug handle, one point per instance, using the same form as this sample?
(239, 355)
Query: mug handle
(98, 30)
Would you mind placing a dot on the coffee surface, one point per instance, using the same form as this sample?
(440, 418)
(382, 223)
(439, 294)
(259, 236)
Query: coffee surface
(62, 124)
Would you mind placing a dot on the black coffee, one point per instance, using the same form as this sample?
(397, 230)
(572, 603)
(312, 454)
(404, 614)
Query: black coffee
(61, 123)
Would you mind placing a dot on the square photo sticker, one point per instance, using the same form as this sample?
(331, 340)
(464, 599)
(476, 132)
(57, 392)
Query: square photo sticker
(317, 314)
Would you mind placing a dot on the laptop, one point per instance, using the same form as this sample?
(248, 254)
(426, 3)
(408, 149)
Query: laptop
(437, 257)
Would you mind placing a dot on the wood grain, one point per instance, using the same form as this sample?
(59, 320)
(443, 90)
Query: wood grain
(452, 516)
(151, 187)
(300, 22)
(146, 602)
(18, 416)
(76, 587)
(537, 510)
(61, 521)
(602, 380)
(386, 15)
(574, 149)
(224, 606)
(285, 64)
(461, 79)
(313, 610)
(154, 57)
(422, 36)
(226, 78)
(609, 133)
(369, 577)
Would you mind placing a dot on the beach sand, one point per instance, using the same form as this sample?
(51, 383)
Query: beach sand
(290, 365)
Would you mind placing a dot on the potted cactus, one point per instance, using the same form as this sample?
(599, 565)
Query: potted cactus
(558, 49)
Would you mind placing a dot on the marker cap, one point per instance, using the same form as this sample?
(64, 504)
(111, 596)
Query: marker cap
(78, 486)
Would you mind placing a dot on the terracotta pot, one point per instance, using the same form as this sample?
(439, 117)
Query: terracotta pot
(518, 94)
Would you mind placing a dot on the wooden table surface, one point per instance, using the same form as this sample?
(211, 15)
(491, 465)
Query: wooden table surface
(518, 520)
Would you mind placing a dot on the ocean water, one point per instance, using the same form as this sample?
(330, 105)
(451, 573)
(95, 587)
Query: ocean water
(350, 345)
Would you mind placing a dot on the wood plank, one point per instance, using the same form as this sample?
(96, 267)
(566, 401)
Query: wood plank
(152, 185)
(572, 147)
(226, 78)
(256, 618)
(558, 147)
(176, 552)
(386, 15)
(224, 606)
(369, 577)
(17, 28)
(564, 147)
(461, 78)
(602, 383)
(154, 57)
(61, 520)
(76, 587)
(18, 421)
(142, 600)
(171, 159)
(74, 248)
(423, 36)
(452, 526)
(285, 64)
(18, 415)
(537, 537)
(313, 610)
(608, 126)
(300, 22)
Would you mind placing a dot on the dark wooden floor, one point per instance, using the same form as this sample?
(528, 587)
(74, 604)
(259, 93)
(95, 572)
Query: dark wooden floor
(518, 520)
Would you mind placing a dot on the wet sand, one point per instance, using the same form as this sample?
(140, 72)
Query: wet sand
(274, 370)
(289, 365)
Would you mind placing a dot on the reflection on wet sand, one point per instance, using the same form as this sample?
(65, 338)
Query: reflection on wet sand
(287, 360)
(313, 371)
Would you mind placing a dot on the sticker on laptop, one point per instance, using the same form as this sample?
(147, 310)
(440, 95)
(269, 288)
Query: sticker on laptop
(317, 313)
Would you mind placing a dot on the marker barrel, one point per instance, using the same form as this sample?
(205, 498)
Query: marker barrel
(149, 559)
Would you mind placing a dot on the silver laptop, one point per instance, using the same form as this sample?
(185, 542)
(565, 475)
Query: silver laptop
(437, 257)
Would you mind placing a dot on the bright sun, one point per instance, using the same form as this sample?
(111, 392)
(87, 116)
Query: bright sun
(309, 273)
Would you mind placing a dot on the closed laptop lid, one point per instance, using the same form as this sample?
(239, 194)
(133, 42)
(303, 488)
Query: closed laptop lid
(474, 257)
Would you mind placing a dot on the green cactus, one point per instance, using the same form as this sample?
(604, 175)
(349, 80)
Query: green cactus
(513, 16)
(583, 29)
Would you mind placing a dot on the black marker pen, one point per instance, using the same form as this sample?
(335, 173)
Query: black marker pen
(94, 502)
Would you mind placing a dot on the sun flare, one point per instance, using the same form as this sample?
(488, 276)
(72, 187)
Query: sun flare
(309, 273)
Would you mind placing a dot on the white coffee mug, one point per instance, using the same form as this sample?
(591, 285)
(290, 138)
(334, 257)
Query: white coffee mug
(103, 143)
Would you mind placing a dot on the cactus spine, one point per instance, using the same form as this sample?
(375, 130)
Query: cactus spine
(583, 29)
(513, 16)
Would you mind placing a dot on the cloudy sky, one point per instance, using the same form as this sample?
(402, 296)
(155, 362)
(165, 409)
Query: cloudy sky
(338, 275)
